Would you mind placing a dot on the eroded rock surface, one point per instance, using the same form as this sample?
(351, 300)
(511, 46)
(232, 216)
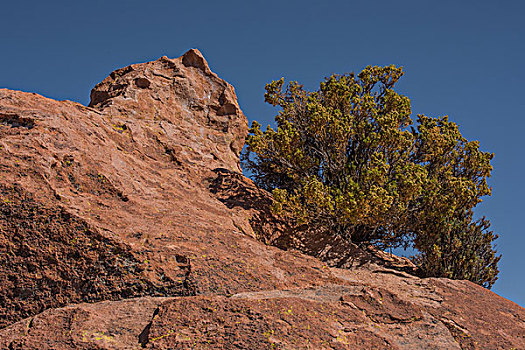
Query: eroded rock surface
(127, 225)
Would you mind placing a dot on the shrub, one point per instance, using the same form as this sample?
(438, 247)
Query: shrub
(459, 248)
(348, 158)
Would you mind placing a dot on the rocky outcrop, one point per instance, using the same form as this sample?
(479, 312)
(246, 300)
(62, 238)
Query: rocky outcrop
(127, 224)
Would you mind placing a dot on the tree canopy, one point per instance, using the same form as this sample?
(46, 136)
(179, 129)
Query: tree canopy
(348, 158)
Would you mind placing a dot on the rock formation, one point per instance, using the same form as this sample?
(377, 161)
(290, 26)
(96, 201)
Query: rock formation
(127, 224)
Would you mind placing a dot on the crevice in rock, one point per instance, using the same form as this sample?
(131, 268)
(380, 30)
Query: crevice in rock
(460, 334)
(172, 154)
(188, 284)
(16, 121)
(144, 335)
(394, 272)
(29, 325)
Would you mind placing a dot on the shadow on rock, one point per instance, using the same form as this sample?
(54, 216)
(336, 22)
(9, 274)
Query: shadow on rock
(235, 190)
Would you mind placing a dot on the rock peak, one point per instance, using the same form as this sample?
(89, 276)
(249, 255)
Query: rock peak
(197, 108)
(194, 58)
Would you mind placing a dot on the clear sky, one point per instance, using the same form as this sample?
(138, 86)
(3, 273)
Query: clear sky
(465, 59)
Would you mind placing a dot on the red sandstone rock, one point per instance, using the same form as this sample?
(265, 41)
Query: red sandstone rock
(127, 225)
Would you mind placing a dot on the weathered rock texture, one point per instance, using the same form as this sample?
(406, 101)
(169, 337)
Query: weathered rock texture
(127, 224)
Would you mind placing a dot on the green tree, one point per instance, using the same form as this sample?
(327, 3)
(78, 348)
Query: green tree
(347, 158)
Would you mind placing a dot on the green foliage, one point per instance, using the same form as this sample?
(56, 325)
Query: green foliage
(460, 248)
(349, 159)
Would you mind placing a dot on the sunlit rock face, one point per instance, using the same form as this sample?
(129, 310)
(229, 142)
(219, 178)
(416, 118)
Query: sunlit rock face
(196, 110)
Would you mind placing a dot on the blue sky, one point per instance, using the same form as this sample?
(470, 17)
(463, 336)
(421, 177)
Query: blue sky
(464, 59)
